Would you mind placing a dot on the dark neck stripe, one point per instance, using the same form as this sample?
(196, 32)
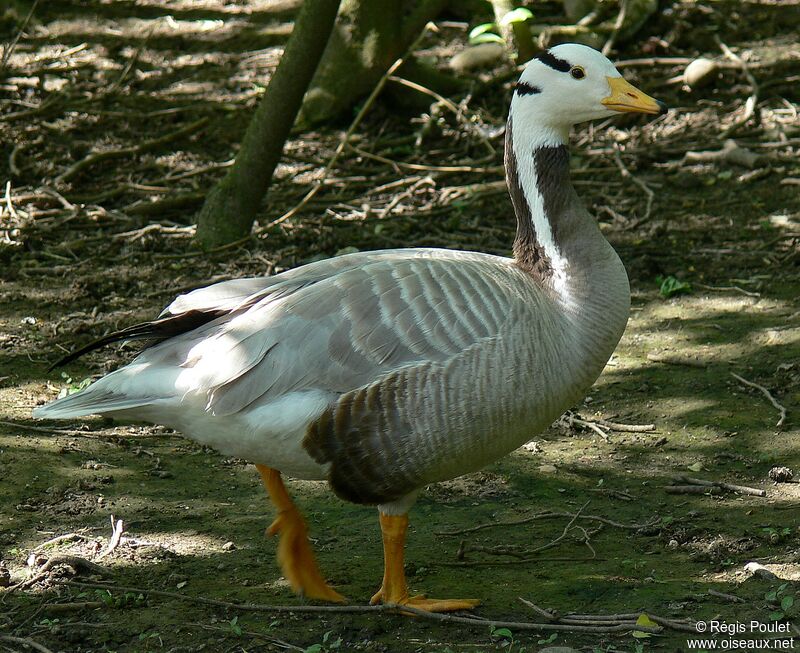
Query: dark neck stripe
(523, 88)
(554, 62)
(528, 252)
(551, 164)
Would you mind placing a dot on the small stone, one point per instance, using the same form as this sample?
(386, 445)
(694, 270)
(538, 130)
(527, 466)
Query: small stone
(781, 474)
(482, 55)
(547, 469)
(673, 544)
(228, 546)
(698, 72)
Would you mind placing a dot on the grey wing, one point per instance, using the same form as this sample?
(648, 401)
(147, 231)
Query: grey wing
(351, 328)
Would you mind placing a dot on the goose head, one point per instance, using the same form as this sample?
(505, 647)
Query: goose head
(572, 83)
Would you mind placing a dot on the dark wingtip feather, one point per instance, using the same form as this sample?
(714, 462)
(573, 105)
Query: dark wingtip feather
(156, 331)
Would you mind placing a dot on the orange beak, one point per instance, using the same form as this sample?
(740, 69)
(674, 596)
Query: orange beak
(626, 98)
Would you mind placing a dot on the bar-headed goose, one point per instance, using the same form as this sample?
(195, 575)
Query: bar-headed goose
(382, 372)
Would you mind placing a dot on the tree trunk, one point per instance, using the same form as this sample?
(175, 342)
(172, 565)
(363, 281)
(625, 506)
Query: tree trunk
(232, 205)
(369, 36)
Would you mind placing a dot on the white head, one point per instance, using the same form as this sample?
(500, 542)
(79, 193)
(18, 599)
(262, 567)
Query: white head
(572, 83)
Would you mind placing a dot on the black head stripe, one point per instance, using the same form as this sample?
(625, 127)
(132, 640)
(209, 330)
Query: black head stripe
(554, 62)
(523, 88)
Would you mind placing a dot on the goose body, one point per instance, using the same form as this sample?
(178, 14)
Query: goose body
(385, 371)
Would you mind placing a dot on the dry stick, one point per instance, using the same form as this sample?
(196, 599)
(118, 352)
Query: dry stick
(767, 394)
(42, 429)
(117, 529)
(742, 489)
(24, 641)
(8, 49)
(422, 89)
(341, 146)
(525, 555)
(57, 540)
(548, 515)
(72, 561)
(425, 167)
(629, 428)
(733, 288)
(590, 425)
(623, 9)
(272, 640)
(96, 157)
(693, 489)
(667, 359)
(626, 174)
(390, 608)
(728, 597)
(750, 104)
(654, 61)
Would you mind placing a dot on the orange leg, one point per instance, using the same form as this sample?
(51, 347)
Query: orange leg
(295, 556)
(394, 588)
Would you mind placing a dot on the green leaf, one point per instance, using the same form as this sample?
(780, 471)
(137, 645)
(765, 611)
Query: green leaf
(503, 633)
(786, 603)
(314, 648)
(771, 596)
(646, 622)
(670, 286)
(475, 31)
(488, 37)
(518, 15)
(777, 615)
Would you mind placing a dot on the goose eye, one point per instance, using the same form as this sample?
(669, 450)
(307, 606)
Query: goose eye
(577, 72)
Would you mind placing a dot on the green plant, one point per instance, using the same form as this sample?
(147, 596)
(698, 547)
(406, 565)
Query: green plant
(326, 645)
(236, 629)
(484, 33)
(783, 602)
(71, 388)
(669, 286)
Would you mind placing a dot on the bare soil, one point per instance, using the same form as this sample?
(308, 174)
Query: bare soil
(88, 249)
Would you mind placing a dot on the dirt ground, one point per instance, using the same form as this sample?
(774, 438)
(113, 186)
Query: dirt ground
(577, 521)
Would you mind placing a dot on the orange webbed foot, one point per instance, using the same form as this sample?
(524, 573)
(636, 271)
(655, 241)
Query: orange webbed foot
(295, 556)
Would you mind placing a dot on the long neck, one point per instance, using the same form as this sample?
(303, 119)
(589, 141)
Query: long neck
(558, 243)
(537, 172)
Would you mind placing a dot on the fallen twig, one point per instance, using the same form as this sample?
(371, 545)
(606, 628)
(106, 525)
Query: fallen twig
(768, 395)
(668, 359)
(117, 529)
(25, 641)
(68, 537)
(390, 608)
(626, 174)
(741, 291)
(73, 561)
(628, 619)
(96, 157)
(548, 515)
(752, 101)
(693, 489)
(339, 148)
(9, 48)
(731, 152)
(728, 597)
(729, 487)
